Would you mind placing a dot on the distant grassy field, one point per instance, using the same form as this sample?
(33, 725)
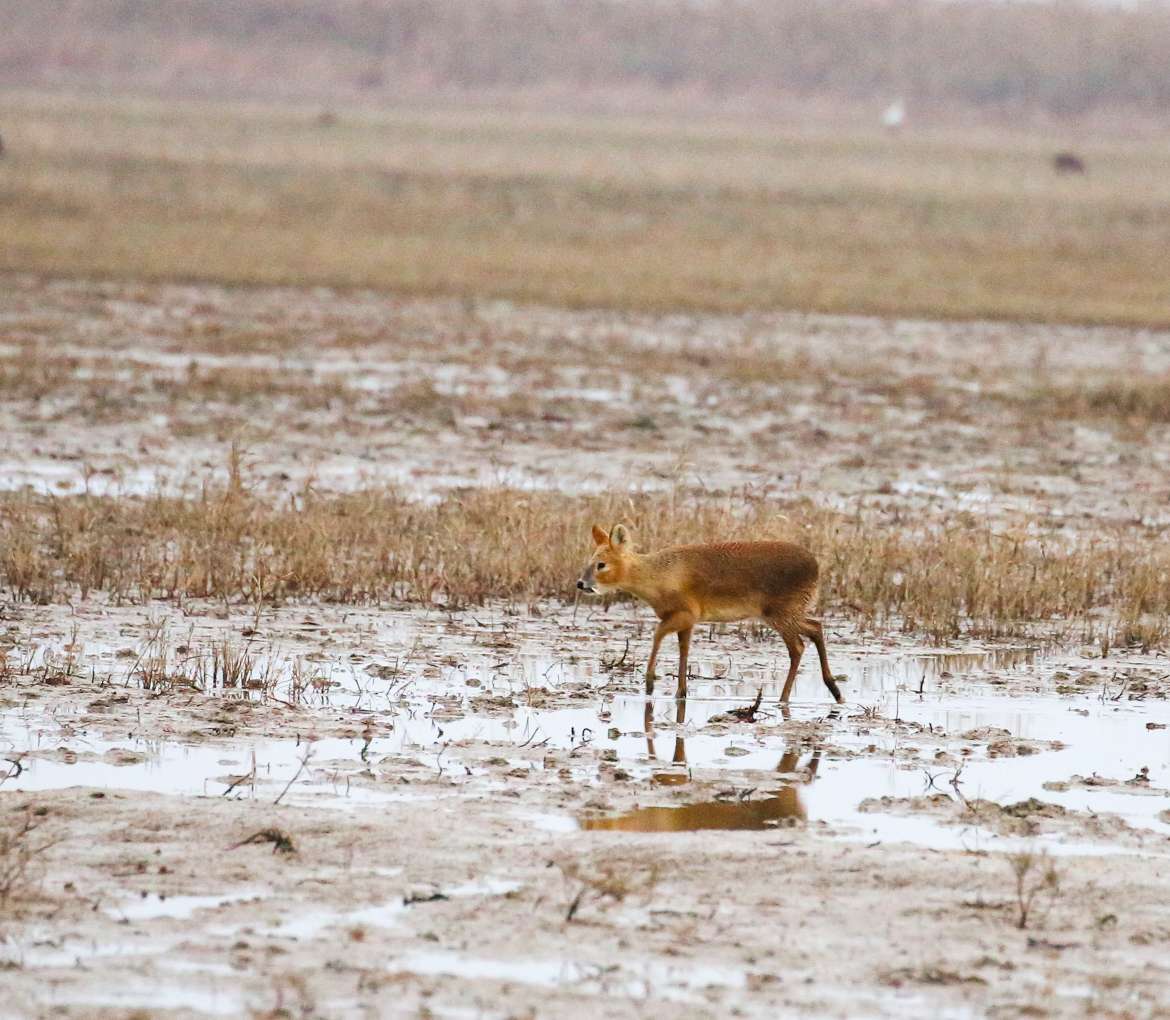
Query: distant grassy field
(623, 213)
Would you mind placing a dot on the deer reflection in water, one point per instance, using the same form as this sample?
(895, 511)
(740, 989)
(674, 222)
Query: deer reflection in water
(680, 746)
(759, 813)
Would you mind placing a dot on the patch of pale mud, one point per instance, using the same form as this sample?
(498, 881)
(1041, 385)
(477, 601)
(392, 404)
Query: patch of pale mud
(1027, 818)
(68, 756)
(455, 907)
(1001, 743)
(1138, 784)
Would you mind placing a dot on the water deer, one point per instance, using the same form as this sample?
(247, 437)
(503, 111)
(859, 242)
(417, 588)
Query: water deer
(772, 581)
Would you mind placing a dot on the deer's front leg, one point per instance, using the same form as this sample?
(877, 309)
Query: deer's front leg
(677, 621)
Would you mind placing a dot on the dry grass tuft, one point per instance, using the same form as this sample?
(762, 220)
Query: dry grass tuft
(22, 845)
(606, 881)
(1135, 400)
(1035, 875)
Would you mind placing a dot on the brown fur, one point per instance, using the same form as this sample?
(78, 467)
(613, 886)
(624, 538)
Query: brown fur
(772, 581)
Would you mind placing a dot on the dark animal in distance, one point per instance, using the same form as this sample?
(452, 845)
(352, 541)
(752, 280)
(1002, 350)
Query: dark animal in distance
(1068, 163)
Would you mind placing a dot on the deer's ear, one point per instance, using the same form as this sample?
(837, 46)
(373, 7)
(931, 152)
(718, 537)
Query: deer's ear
(599, 536)
(618, 536)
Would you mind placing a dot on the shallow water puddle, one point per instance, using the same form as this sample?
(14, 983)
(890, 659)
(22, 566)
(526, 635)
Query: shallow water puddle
(811, 762)
(154, 905)
(1106, 740)
(307, 925)
(39, 757)
(682, 982)
(217, 999)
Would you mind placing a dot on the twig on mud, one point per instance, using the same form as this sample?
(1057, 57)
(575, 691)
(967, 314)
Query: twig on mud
(605, 881)
(576, 902)
(748, 712)
(16, 770)
(956, 782)
(20, 851)
(296, 775)
(586, 739)
(529, 741)
(612, 664)
(248, 777)
(433, 897)
(734, 794)
(1045, 879)
(282, 842)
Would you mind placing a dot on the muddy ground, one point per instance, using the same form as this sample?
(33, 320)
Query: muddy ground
(383, 810)
(481, 820)
(141, 388)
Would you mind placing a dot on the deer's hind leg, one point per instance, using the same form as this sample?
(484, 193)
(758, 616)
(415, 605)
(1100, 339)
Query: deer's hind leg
(794, 626)
(795, 645)
(811, 628)
(790, 632)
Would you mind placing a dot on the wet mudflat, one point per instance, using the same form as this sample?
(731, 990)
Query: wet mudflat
(284, 807)
(136, 389)
(463, 818)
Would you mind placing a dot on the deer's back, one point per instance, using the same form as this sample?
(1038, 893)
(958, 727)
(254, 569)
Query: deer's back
(731, 580)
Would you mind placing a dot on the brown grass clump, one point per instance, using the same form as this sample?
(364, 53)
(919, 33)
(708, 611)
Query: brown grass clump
(1138, 400)
(1035, 875)
(939, 575)
(22, 846)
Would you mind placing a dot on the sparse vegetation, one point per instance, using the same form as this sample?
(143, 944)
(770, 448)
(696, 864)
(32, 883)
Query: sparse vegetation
(1134, 399)
(938, 575)
(1036, 876)
(605, 882)
(585, 212)
(282, 842)
(22, 844)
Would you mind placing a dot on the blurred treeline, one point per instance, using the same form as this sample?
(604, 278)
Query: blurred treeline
(1061, 58)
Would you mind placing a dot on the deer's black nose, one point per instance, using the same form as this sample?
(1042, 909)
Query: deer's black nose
(581, 585)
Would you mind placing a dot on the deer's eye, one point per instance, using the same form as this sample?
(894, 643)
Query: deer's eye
(601, 566)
